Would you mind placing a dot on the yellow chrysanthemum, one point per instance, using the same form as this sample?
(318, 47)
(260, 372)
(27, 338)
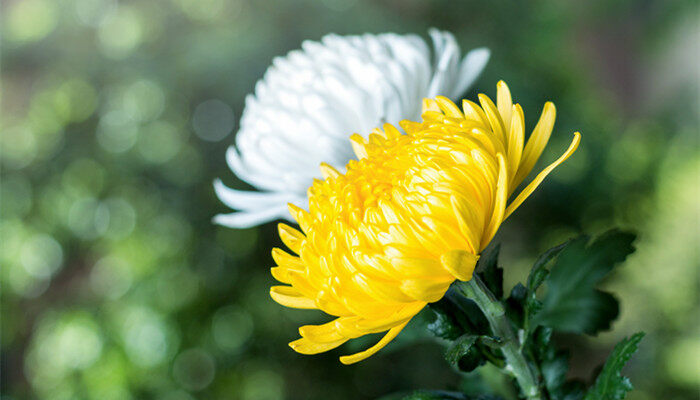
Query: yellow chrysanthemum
(407, 219)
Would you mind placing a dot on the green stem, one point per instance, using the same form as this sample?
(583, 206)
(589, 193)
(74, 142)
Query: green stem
(496, 315)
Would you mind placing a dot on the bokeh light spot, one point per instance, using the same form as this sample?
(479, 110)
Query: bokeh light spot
(84, 177)
(111, 277)
(143, 100)
(116, 133)
(122, 217)
(87, 219)
(204, 10)
(15, 196)
(71, 341)
(18, 147)
(93, 12)
(263, 384)
(120, 33)
(186, 168)
(80, 99)
(176, 287)
(194, 369)
(30, 20)
(145, 337)
(159, 141)
(213, 120)
(41, 256)
(231, 328)
(25, 284)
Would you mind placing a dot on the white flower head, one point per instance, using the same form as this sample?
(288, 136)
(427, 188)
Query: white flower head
(310, 101)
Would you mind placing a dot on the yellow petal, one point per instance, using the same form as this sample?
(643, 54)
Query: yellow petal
(351, 359)
(425, 289)
(386, 292)
(537, 142)
(448, 107)
(460, 263)
(516, 138)
(324, 333)
(327, 171)
(328, 303)
(466, 221)
(499, 205)
(302, 216)
(398, 318)
(281, 274)
(284, 259)
(415, 267)
(291, 297)
(494, 119)
(306, 346)
(291, 237)
(540, 177)
(358, 146)
(410, 127)
(429, 105)
(474, 112)
(505, 103)
(390, 131)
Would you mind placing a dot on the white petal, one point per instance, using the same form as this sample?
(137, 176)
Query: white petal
(247, 200)
(310, 101)
(472, 66)
(248, 219)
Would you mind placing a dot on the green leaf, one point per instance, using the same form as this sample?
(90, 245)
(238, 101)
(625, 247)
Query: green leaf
(445, 324)
(554, 371)
(571, 302)
(464, 353)
(539, 272)
(445, 395)
(435, 395)
(515, 304)
(572, 390)
(541, 340)
(490, 273)
(456, 315)
(610, 384)
(461, 347)
(554, 365)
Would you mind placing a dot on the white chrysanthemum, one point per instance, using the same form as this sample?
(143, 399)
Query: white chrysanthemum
(310, 102)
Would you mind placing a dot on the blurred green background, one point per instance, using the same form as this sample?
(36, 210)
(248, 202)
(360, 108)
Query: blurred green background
(115, 284)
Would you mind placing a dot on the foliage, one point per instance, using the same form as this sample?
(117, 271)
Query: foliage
(610, 384)
(571, 303)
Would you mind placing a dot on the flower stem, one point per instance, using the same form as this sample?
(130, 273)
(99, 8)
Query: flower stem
(495, 313)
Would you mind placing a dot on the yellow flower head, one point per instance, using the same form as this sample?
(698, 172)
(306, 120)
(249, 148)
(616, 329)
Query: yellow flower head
(407, 219)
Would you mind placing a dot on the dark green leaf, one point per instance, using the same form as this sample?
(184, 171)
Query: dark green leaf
(490, 273)
(444, 395)
(610, 384)
(460, 347)
(515, 304)
(541, 342)
(572, 303)
(539, 272)
(554, 365)
(435, 395)
(464, 353)
(457, 315)
(572, 390)
(554, 371)
(445, 324)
